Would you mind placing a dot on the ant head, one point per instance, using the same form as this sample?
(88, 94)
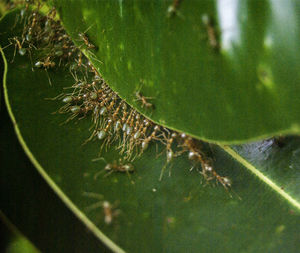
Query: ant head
(128, 167)
(106, 204)
(108, 167)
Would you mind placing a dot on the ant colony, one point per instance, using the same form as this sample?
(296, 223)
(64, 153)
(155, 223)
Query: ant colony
(113, 120)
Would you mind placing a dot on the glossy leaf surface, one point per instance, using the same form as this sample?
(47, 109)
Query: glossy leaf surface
(175, 215)
(247, 89)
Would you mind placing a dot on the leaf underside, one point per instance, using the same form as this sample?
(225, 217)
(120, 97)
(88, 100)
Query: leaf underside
(177, 214)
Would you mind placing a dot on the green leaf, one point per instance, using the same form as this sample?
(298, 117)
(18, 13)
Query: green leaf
(26, 199)
(246, 90)
(178, 214)
(30, 204)
(12, 241)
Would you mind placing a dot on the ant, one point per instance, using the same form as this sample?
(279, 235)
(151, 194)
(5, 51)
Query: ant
(170, 154)
(152, 136)
(115, 167)
(46, 65)
(143, 100)
(19, 45)
(21, 50)
(108, 212)
(196, 155)
(173, 9)
(211, 31)
(86, 40)
(108, 209)
(208, 171)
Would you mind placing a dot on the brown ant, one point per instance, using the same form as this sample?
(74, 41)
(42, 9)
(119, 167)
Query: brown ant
(47, 63)
(108, 209)
(86, 41)
(84, 37)
(208, 171)
(52, 13)
(114, 167)
(21, 50)
(137, 124)
(108, 212)
(143, 100)
(34, 29)
(195, 154)
(152, 136)
(79, 60)
(211, 31)
(168, 141)
(173, 9)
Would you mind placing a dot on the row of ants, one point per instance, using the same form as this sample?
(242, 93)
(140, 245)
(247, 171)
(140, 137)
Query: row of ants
(39, 28)
(45, 35)
(113, 121)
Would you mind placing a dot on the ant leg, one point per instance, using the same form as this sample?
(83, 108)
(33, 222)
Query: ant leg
(10, 43)
(129, 176)
(97, 174)
(108, 173)
(94, 206)
(30, 56)
(96, 196)
(162, 171)
(60, 96)
(93, 195)
(48, 77)
(99, 159)
(170, 170)
(13, 59)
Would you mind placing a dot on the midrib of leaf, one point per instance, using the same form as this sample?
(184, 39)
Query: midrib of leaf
(261, 176)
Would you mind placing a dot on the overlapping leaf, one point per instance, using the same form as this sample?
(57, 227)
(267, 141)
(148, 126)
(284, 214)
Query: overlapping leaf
(220, 71)
(174, 215)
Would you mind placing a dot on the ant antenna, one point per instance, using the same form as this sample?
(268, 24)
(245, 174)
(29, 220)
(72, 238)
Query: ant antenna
(99, 159)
